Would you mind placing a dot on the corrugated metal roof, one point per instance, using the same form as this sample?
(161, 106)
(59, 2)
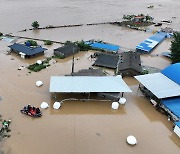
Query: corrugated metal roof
(80, 84)
(149, 44)
(27, 50)
(160, 85)
(173, 72)
(104, 46)
(177, 123)
(173, 104)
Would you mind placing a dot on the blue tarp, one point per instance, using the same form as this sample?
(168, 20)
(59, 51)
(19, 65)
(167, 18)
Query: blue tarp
(27, 50)
(177, 123)
(173, 104)
(104, 46)
(172, 72)
(149, 44)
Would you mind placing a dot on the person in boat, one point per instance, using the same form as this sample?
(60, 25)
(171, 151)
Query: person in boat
(38, 111)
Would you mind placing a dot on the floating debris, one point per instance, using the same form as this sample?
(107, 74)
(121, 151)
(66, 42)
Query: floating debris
(44, 105)
(56, 105)
(115, 105)
(131, 140)
(39, 83)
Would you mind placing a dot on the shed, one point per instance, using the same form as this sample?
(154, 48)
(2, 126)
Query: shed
(25, 51)
(66, 50)
(107, 60)
(129, 64)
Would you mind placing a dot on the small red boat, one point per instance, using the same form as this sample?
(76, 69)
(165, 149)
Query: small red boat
(31, 111)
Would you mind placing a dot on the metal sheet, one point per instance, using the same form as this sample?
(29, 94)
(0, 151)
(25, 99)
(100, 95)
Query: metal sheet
(79, 84)
(160, 85)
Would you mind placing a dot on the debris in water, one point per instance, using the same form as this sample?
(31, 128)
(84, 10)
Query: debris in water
(131, 140)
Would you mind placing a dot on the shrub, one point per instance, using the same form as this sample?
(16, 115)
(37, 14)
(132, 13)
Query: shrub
(48, 42)
(31, 43)
(1, 34)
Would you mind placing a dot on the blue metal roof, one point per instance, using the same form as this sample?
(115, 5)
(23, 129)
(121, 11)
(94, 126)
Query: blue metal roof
(177, 123)
(149, 44)
(26, 50)
(173, 104)
(104, 46)
(172, 72)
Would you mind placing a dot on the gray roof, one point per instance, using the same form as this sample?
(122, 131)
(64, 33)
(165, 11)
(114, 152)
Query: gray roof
(130, 60)
(107, 60)
(67, 50)
(80, 84)
(160, 85)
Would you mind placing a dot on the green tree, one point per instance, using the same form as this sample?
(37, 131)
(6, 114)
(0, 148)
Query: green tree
(1, 34)
(175, 48)
(35, 24)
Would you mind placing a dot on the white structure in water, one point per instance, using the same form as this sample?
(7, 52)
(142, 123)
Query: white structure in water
(177, 128)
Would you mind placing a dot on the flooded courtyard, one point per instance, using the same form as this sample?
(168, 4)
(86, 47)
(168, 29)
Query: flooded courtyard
(79, 127)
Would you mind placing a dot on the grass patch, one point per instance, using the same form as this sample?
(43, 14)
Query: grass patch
(38, 67)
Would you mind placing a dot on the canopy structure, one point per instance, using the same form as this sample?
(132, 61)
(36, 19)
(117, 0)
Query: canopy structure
(160, 85)
(87, 84)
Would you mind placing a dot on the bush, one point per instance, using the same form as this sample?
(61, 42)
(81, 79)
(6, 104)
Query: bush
(48, 42)
(31, 43)
(35, 24)
(1, 34)
(58, 56)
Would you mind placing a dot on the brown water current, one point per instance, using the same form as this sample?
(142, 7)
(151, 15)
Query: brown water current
(80, 127)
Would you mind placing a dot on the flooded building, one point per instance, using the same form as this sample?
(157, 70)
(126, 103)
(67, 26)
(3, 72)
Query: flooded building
(165, 86)
(66, 50)
(149, 44)
(129, 64)
(88, 84)
(107, 60)
(26, 51)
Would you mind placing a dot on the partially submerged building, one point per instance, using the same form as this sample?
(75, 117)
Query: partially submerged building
(129, 64)
(149, 44)
(165, 86)
(26, 51)
(88, 84)
(107, 60)
(104, 46)
(66, 50)
(89, 72)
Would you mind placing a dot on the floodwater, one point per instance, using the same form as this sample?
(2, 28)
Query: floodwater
(80, 127)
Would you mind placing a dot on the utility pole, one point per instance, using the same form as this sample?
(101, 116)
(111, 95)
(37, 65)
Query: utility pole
(72, 63)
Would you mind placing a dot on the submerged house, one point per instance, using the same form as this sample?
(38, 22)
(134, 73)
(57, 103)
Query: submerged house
(26, 51)
(165, 86)
(107, 60)
(129, 64)
(66, 50)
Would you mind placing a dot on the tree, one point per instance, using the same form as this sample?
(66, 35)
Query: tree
(35, 24)
(175, 48)
(1, 34)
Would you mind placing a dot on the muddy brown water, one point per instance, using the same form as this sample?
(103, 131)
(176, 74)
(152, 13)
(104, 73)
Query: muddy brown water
(80, 127)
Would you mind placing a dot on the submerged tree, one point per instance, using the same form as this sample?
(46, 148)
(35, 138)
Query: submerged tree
(175, 48)
(35, 24)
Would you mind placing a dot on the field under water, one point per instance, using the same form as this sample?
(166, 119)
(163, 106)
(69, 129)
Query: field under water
(81, 127)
